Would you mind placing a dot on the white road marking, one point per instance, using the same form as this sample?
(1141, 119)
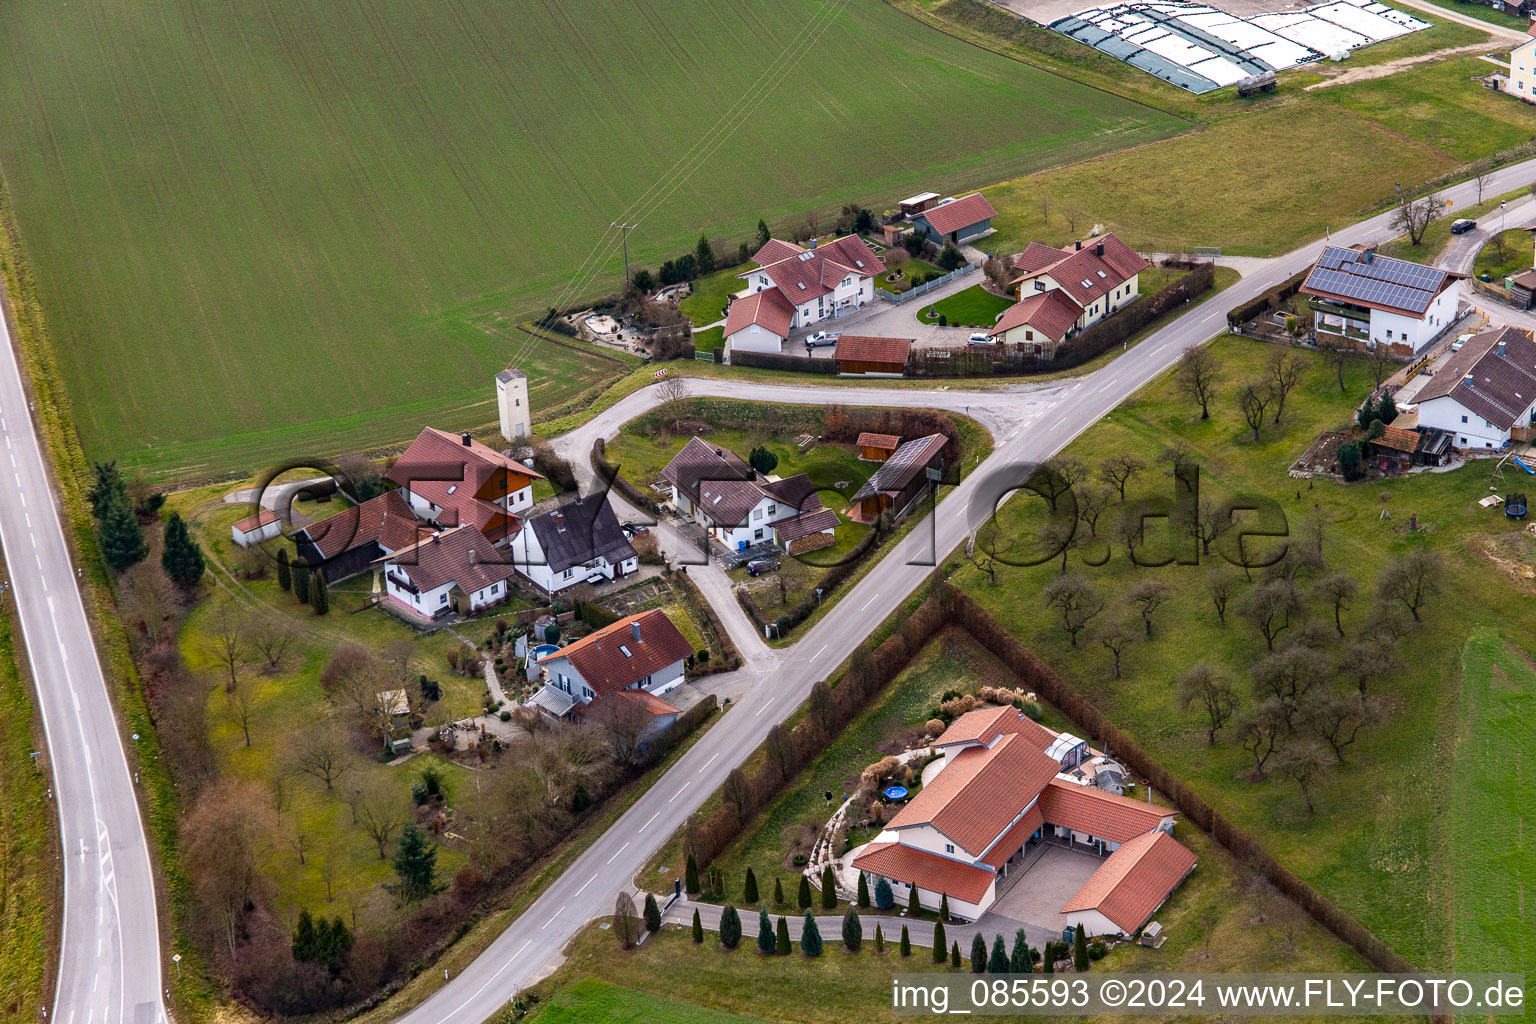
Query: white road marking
(680, 791)
(621, 850)
(552, 917)
(760, 709)
(819, 653)
(647, 825)
(523, 947)
(706, 764)
(871, 600)
(585, 884)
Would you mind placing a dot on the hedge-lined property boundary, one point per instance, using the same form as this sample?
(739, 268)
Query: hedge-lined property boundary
(606, 472)
(829, 709)
(1271, 299)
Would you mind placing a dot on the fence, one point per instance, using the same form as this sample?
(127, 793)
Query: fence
(928, 286)
(706, 355)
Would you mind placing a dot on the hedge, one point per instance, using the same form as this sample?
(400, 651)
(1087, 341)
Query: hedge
(1268, 301)
(1130, 320)
(777, 361)
(632, 494)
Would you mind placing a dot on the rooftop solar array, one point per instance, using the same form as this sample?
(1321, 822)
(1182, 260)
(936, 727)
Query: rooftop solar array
(1376, 281)
(1200, 48)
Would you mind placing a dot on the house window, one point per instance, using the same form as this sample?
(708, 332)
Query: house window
(1029, 335)
(443, 600)
(949, 847)
(1462, 441)
(757, 514)
(757, 534)
(1389, 335)
(567, 574)
(1463, 419)
(772, 509)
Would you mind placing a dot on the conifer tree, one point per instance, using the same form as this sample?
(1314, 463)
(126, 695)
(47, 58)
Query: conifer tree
(828, 889)
(810, 936)
(863, 890)
(749, 893)
(698, 926)
(1080, 950)
(730, 927)
(954, 954)
(121, 537)
(998, 962)
(319, 599)
(803, 897)
(765, 940)
(913, 906)
(691, 876)
(781, 938)
(879, 939)
(906, 942)
(301, 581)
(978, 954)
(853, 930)
(939, 943)
(652, 913)
(182, 559)
(778, 891)
(284, 578)
(1019, 962)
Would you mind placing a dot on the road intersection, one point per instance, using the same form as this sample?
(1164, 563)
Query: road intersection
(110, 969)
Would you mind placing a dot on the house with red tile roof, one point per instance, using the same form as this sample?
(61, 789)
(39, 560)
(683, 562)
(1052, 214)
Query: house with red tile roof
(644, 652)
(1042, 321)
(1097, 276)
(447, 571)
(1006, 786)
(454, 480)
(795, 286)
(354, 539)
(956, 221)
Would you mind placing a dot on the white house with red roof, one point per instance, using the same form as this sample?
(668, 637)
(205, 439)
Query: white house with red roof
(1522, 68)
(643, 652)
(457, 570)
(794, 286)
(1007, 785)
(1097, 276)
(1043, 321)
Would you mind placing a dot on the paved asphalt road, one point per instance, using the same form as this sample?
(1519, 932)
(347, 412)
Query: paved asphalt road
(111, 969)
(110, 965)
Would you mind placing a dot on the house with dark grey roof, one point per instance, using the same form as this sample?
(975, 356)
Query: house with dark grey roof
(741, 509)
(1378, 300)
(1484, 392)
(573, 543)
(448, 571)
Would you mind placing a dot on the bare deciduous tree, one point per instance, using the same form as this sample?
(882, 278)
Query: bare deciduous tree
(1117, 471)
(1056, 477)
(380, 809)
(1253, 399)
(1414, 216)
(271, 635)
(1338, 589)
(1116, 638)
(1338, 718)
(1198, 376)
(1261, 731)
(1205, 520)
(1149, 596)
(323, 752)
(1481, 181)
(669, 398)
(1380, 358)
(228, 643)
(1220, 584)
(1092, 503)
(1075, 600)
(1270, 606)
(1207, 687)
(148, 599)
(1304, 762)
(226, 837)
(627, 722)
(1286, 370)
(1412, 579)
(626, 922)
(242, 707)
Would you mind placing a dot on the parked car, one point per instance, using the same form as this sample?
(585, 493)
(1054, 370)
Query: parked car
(1462, 226)
(981, 339)
(758, 566)
(633, 530)
(821, 338)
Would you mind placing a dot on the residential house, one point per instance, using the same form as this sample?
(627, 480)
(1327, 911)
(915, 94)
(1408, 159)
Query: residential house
(715, 488)
(860, 355)
(644, 652)
(1522, 67)
(1098, 276)
(454, 480)
(956, 221)
(1042, 321)
(571, 543)
(254, 529)
(877, 447)
(354, 539)
(1483, 395)
(794, 286)
(1000, 794)
(902, 478)
(1379, 300)
(457, 570)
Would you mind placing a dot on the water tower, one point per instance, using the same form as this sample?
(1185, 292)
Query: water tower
(512, 404)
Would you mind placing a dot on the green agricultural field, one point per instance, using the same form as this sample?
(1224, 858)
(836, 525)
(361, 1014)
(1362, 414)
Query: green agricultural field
(1382, 841)
(596, 1002)
(28, 866)
(265, 230)
(1491, 851)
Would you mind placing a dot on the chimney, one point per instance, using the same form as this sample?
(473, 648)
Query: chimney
(719, 453)
(634, 630)
(472, 559)
(1502, 343)
(1098, 250)
(1078, 244)
(435, 535)
(464, 439)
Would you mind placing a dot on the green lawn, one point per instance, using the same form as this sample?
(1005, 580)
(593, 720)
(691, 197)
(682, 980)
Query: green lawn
(973, 307)
(1491, 852)
(1381, 841)
(256, 229)
(29, 869)
(710, 340)
(712, 294)
(1509, 252)
(596, 1002)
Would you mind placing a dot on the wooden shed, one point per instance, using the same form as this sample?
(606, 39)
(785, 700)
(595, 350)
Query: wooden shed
(877, 447)
(861, 355)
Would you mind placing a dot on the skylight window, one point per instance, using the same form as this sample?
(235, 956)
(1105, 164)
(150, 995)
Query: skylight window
(1102, 274)
(1087, 283)
(859, 264)
(453, 488)
(717, 499)
(802, 286)
(626, 651)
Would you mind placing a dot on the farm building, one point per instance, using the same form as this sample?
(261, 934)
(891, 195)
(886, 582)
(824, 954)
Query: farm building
(1378, 300)
(901, 479)
(877, 447)
(863, 356)
(956, 220)
(264, 525)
